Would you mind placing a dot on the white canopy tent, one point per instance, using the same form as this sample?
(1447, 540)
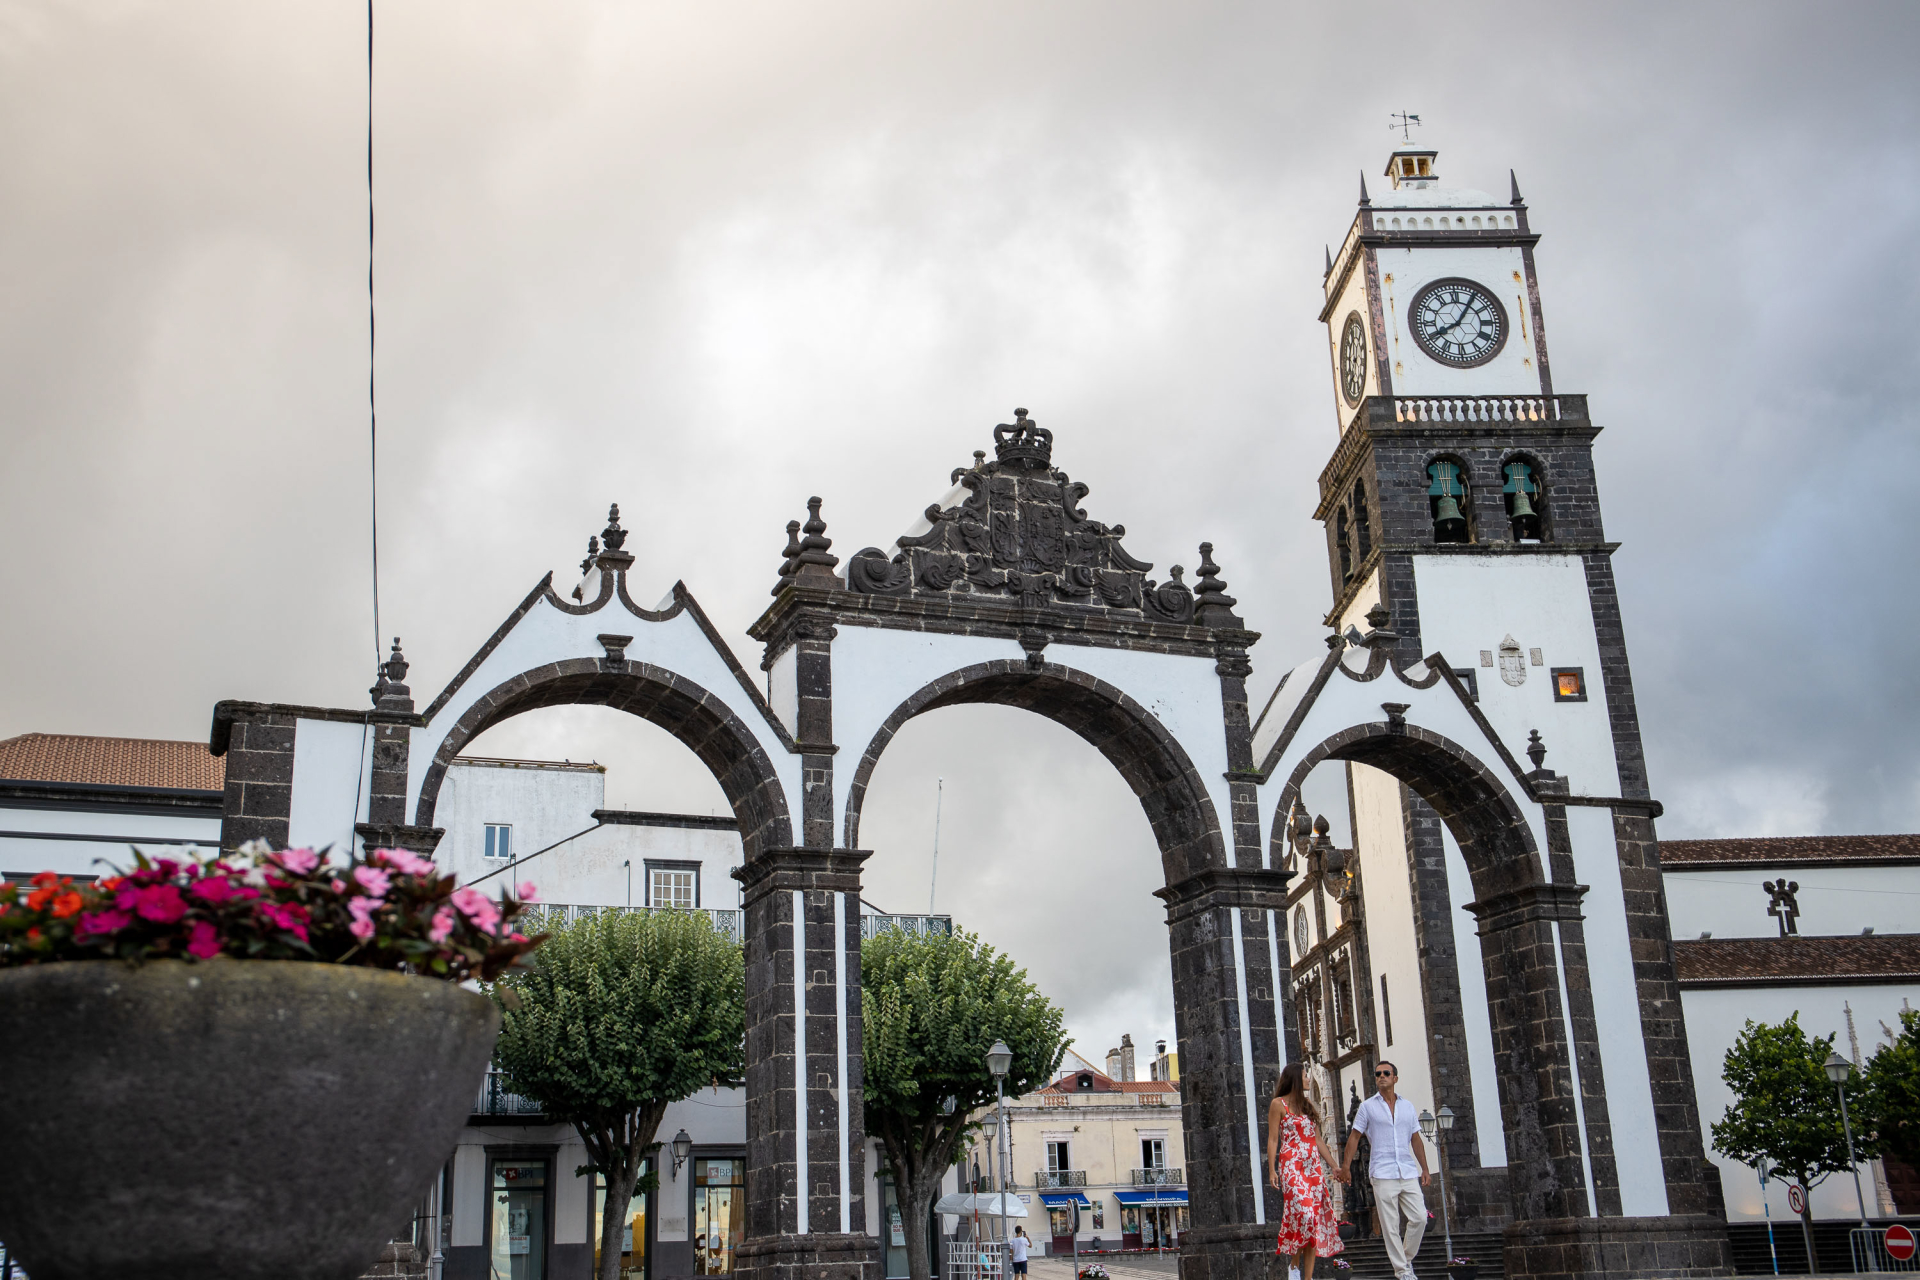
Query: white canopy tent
(965, 1204)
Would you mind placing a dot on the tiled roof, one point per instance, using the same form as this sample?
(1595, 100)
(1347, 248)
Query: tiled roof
(117, 762)
(1787, 851)
(1769, 962)
(1104, 1083)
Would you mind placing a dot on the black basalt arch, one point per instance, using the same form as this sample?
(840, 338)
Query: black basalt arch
(1185, 822)
(683, 708)
(1517, 905)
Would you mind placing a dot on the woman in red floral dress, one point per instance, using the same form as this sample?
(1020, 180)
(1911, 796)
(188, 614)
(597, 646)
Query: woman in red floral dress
(1295, 1151)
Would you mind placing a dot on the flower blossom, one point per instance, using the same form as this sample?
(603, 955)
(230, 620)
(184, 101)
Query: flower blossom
(290, 917)
(160, 903)
(405, 862)
(373, 880)
(443, 921)
(477, 907)
(298, 861)
(67, 904)
(527, 891)
(215, 890)
(204, 942)
(362, 910)
(109, 921)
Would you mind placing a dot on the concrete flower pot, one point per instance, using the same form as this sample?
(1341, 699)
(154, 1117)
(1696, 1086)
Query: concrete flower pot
(247, 1120)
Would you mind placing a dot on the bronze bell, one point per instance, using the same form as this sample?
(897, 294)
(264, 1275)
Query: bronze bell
(1448, 524)
(1522, 509)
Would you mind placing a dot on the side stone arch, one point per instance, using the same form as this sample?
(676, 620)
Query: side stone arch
(692, 714)
(1185, 821)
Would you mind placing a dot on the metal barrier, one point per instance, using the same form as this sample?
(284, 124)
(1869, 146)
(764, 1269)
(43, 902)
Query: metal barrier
(976, 1260)
(1869, 1248)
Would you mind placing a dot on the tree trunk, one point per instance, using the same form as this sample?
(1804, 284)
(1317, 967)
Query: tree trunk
(917, 1173)
(1806, 1227)
(617, 1151)
(613, 1218)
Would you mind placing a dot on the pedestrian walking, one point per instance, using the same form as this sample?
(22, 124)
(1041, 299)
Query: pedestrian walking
(1398, 1167)
(1297, 1162)
(1017, 1248)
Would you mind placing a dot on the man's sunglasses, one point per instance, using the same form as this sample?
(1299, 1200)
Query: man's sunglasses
(1383, 1073)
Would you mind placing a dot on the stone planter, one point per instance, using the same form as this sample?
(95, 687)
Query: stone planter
(1468, 1271)
(245, 1120)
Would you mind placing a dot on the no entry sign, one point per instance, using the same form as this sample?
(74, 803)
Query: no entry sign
(1900, 1243)
(1796, 1198)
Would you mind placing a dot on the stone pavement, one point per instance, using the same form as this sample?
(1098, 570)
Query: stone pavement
(1120, 1266)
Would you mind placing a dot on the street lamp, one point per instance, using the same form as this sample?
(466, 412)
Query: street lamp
(1838, 1069)
(682, 1148)
(1429, 1123)
(999, 1062)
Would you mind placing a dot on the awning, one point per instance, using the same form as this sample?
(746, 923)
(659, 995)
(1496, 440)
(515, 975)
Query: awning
(1157, 1196)
(1061, 1199)
(966, 1203)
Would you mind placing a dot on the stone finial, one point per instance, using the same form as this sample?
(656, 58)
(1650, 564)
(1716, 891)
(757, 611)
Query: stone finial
(1536, 749)
(613, 537)
(1364, 198)
(813, 563)
(593, 553)
(979, 459)
(790, 563)
(1329, 252)
(1516, 188)
(1377, 618)
(1212, 606)
(390, 692)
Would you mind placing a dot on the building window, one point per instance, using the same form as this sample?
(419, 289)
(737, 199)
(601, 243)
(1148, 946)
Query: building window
(1522, 494)
(719, 1214)
(1343, 535)
(1447, 501)
(1386, 1008)
(1362, 526)
(1057, 1158)
(499, 840)
(1470, 679)
(673, 886)
(1569, 684)
(1153, 1153)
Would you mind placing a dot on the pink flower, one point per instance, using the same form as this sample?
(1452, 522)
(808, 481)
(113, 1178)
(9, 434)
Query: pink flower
(205, 940)
(339, 885)
(160, 903)
(290, 917)
(215, 890)
(362, 910)
(373, 880)
(105, 921)
(477, 907)
(298, 861)
(443, 921)
(406, 863)
(527, 892)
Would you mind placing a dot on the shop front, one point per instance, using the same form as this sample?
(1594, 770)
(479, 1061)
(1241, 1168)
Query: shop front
(1060, 1208)
(719, 1212)
(519, 1209)
(1152, 1219)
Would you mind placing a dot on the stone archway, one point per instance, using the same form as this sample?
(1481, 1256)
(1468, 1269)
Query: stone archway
(704, 724)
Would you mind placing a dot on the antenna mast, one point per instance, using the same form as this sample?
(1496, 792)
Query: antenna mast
(933, 881)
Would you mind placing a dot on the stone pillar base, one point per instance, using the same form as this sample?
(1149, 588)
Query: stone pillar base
(1237, 1251)
(1565, 1248)
(818, 1256)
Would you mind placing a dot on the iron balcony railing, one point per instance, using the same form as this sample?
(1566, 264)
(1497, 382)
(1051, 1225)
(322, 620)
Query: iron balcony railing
(913, 926)
(1159, 1177)
(1060, 1178)
(544, 916)
(496, 1100)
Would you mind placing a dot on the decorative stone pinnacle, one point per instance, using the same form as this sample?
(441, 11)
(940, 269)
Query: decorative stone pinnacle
(1516, 187)
(1536, 749)
(613, 536)
(396, 664)
(1377, 618)
(389, 692)
(1363, 188)
(593, 553)
(790, 565)
(1213, 607)
(1023, 443)
(813, 562)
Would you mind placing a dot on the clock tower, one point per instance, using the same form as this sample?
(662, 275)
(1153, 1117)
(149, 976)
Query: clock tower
(1463, 520)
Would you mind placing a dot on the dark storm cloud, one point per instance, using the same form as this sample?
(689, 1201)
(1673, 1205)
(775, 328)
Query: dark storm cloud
(707, 261)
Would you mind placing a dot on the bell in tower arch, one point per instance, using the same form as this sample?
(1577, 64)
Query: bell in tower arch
(1446, 492)
(1522, 493)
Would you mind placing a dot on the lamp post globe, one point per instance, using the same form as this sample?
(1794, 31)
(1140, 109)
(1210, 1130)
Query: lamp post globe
(1427, 1123)
(1446, 1118)
(1838, 1068)
(999, 1059)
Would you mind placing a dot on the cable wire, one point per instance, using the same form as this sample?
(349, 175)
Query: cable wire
(373, 415)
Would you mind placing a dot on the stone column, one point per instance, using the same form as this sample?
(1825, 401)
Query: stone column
(257, 740)
(806, 1171)
(1223, 996)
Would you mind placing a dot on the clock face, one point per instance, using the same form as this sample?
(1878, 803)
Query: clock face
(1353, 360)
(1459, 323)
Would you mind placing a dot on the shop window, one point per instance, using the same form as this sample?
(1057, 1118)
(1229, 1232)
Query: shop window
(633, 1230)
(517, 1225)
(1525, 503)
(673, 886)
(719, 1213)
(1447, 501)
(499, 840)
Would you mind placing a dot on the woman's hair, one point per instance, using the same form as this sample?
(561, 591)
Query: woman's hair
(1293, 1081)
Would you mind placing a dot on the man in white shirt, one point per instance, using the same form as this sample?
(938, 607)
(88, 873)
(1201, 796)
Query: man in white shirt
(1398, 1167)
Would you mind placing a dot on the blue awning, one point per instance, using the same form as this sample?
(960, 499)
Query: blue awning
(1061, 1199)
(1157, 1196)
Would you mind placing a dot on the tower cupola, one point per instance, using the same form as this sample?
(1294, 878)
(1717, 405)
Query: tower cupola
(1411, 165)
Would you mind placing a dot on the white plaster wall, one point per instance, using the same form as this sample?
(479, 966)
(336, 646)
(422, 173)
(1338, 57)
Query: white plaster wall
(331, 760)
(1379, 834)
(1833, 900)
(1715, 1018)
(1364, 599)
(546, 635)
(109, 835)
(1474, 1014)
(1471, 603)
(1405, 271)
(1616, 1014)
(469, 1202)
(783, 688)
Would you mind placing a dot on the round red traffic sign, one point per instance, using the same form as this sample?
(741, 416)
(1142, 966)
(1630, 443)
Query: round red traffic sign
(1796, 1198)
(1900, 1243)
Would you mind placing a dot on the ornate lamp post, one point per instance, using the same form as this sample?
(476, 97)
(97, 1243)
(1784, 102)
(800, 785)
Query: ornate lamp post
(1444, 1123)
(999, 1062)
(1838, 1069)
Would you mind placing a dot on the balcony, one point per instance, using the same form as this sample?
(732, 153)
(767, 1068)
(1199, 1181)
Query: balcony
(912, 926)
(542, 917)
(1060, 1178)
(1160, 1177)
(495, 1100)
(1402, 410)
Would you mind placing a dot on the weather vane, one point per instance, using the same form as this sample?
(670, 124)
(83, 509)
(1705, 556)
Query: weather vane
(1404, 122)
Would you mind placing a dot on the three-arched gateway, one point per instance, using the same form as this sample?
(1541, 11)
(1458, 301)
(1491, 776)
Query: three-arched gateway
(1006, 592)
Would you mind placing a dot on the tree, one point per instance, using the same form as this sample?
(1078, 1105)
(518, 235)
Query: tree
(1786, 1111)
(616, 1016)
(933, 1006)
(1892, 1092)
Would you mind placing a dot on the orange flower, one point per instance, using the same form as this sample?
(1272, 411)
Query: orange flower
(39, 898)
(33, 934)
(66, 904)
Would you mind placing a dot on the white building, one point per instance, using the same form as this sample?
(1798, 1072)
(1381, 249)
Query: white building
(75, 805)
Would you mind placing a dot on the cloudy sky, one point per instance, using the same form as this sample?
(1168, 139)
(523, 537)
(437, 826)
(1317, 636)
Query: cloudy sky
(707, 260)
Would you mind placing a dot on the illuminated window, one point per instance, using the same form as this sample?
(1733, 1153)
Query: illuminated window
(1569, 684)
